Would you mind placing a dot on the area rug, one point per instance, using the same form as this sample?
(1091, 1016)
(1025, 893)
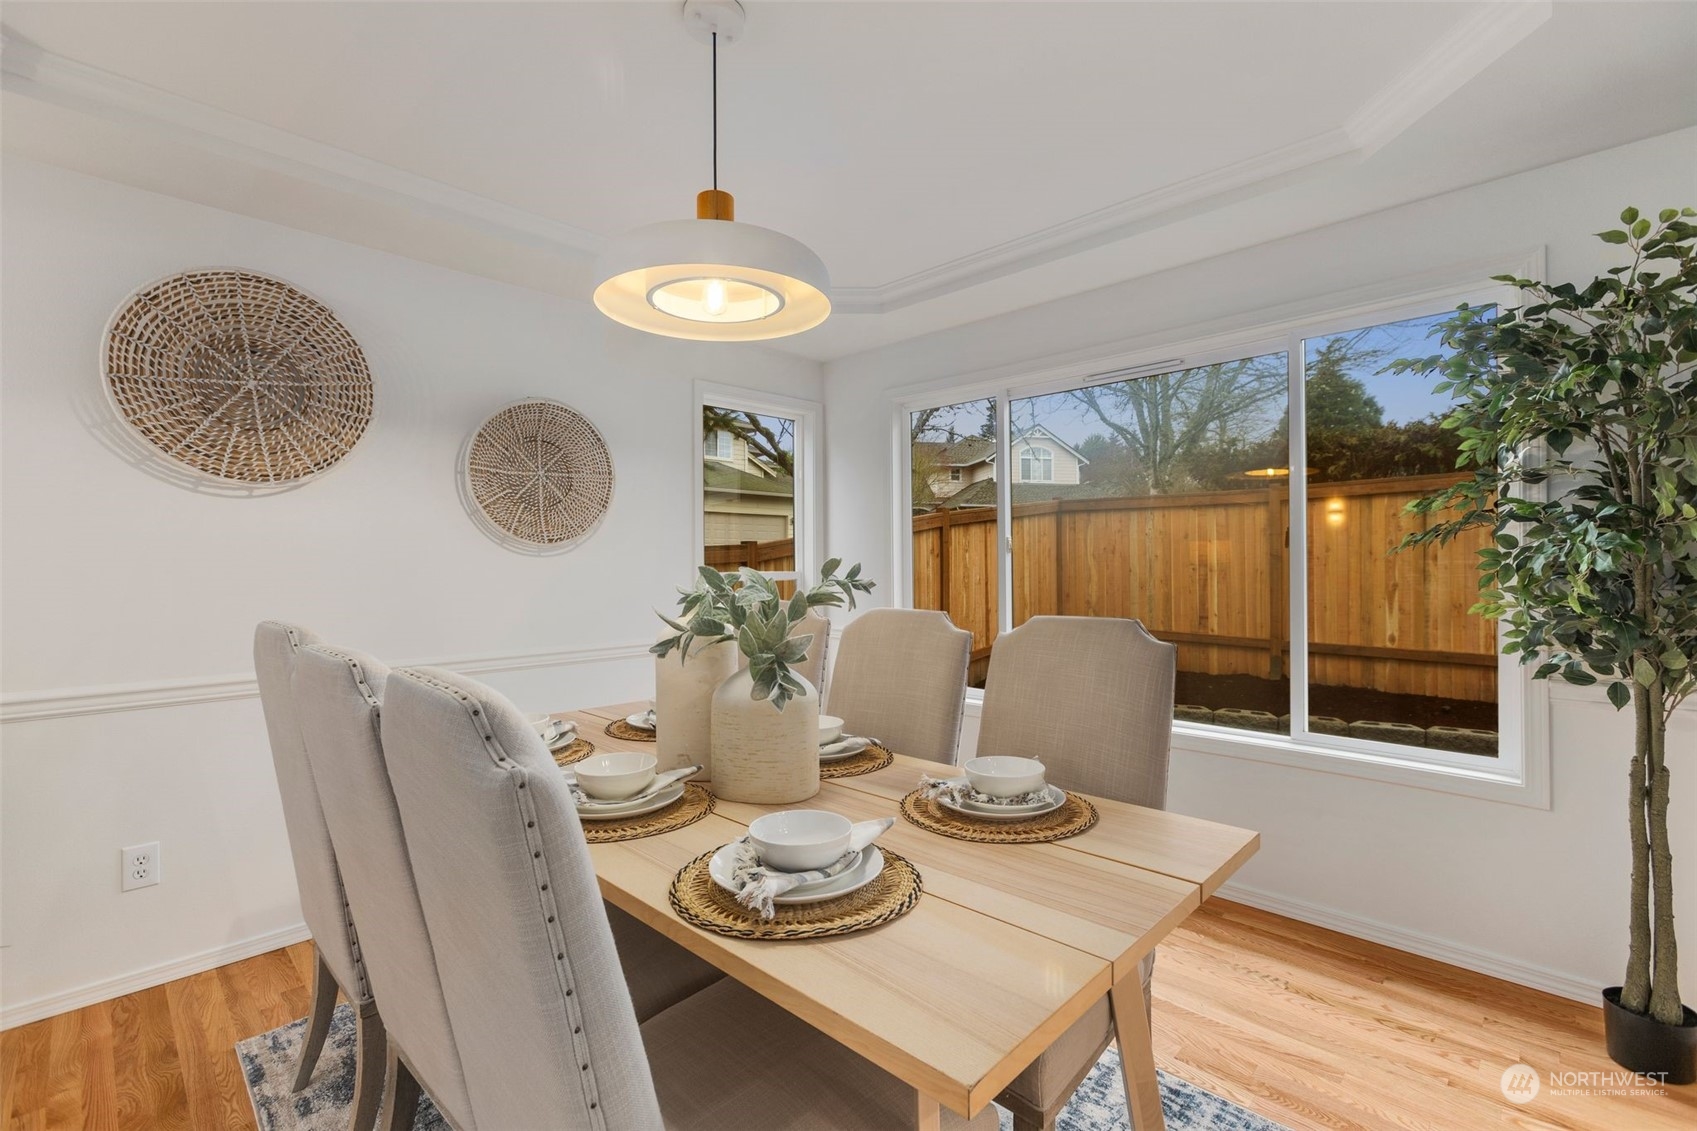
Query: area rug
(268, 1064)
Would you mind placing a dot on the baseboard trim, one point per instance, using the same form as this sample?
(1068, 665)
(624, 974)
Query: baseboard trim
(105, 990)
(68, 702)
(1479, 961)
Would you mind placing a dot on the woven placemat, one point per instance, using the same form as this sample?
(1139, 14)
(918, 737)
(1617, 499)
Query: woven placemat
(618, 728)
(695, 804)
(574, 751)
(868, 760)
(1070, 819)
(698, 900)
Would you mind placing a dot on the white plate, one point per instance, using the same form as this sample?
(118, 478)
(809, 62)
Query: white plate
(561, 741)
(1057, 798)
(857, 877)
(640, 720)
(637, 807)
(826, 759)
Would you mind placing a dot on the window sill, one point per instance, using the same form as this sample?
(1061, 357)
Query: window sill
(1531, 789)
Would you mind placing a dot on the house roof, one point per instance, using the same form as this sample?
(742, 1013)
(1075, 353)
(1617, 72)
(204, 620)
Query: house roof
(959, 453)
(717, 476)
(983, 493)
(977, 449)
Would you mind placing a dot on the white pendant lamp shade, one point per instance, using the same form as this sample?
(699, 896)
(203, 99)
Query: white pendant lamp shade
(712, 281)
(711, 278)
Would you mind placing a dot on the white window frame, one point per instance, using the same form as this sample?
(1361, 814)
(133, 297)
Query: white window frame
(1520, 774)
(723, 452)
(808, 417)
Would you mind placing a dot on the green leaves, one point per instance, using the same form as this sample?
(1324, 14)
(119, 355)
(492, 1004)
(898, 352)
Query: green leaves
(747, 607)
(1577, 414)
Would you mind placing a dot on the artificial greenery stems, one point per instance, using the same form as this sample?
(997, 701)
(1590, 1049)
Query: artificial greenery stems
(1577, 414)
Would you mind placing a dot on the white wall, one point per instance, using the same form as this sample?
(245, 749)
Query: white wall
(122, 588)
(1538, 896)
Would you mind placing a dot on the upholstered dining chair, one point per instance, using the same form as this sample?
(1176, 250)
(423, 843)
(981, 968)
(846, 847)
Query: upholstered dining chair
(324, 903)
(544, 1023)
(339, 694)
(1093, 697)
(901, 678)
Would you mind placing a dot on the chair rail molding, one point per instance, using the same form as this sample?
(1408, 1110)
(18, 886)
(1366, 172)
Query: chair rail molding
(69, 702)
(1472, 45)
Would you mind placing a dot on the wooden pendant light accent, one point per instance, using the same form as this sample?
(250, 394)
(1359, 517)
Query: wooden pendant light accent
(715, 204)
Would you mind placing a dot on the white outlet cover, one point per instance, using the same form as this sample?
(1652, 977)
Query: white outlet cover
(140, 866)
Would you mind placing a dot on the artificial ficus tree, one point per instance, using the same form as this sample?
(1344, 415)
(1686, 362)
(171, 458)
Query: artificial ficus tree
(1577, 414)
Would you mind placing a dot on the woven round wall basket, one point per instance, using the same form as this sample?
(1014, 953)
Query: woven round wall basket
(239, 377)
(537, 477)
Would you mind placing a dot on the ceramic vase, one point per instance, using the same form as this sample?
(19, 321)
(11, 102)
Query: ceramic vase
(762, 755)
(683, 703)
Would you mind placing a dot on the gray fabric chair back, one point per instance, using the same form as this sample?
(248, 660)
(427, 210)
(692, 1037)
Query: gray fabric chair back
(541, 1015)
(1092, 697)
(340, 694)
(901, 678)
(324, 905)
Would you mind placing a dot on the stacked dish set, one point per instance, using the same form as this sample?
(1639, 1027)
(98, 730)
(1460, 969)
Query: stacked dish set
(997, 789)
(834, 745)
(557, 733)
(799, 856)
(610, 787)
(642, 720)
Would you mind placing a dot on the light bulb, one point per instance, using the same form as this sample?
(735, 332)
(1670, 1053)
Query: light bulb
(713, 302)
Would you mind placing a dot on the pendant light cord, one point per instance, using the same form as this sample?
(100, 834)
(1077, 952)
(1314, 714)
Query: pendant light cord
(715, 111)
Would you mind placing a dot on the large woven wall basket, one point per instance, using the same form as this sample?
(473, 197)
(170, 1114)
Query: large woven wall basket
(537, 477)
(238, 377)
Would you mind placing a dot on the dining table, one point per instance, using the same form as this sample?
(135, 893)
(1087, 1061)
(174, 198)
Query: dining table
(1008, 946)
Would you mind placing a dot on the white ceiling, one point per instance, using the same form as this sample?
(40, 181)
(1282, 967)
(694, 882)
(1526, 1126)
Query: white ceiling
(947, 160)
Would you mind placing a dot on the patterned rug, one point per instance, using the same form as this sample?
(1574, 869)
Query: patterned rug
(268, 1063)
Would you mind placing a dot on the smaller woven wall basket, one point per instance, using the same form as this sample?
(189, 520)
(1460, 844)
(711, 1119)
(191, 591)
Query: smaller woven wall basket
(237, 376)
(538, 477)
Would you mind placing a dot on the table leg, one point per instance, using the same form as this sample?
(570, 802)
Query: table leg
(1137, 1054)
(928, 1113)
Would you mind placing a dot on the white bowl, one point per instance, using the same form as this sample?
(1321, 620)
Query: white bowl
(1004, 777)
(614, 777)
(830, 729)
(799, 840)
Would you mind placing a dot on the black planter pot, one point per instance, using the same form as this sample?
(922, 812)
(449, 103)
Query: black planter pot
(1643, 1044)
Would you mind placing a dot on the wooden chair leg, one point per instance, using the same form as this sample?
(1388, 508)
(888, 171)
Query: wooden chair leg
(1137, 1054)
(400, 1093)
(318, 1021)
(370, 1050)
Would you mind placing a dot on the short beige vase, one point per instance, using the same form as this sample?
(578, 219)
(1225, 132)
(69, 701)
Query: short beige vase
(683, 703)
(762, 755)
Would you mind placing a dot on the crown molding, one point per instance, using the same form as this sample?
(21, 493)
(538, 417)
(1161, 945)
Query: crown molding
(70, 702)
(1471, 46)
(36, 73)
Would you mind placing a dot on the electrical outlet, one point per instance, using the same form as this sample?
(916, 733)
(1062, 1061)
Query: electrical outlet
(141, 866)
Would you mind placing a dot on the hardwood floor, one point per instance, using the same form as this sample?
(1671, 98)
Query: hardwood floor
(1313, 1029)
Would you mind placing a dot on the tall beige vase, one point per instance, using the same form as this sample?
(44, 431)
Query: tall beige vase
(762, 755)
(683, 703)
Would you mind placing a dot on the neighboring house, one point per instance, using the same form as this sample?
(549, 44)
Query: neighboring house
(963, 473)
(746, 498)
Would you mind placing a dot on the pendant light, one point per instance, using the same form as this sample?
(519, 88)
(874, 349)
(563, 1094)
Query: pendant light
(712, 278)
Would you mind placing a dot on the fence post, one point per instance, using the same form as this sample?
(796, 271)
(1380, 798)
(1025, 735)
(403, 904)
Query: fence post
(1278, 539)
(943, 586)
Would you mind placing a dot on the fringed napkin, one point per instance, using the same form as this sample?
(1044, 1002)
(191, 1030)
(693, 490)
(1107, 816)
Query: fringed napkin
(847, 744)
(957, 790)
(757, 886)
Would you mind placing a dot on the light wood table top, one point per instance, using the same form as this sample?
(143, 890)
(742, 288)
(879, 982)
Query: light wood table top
(1051, 927)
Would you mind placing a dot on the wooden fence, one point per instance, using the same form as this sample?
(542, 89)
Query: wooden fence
(1208, 572)
(768, 557)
